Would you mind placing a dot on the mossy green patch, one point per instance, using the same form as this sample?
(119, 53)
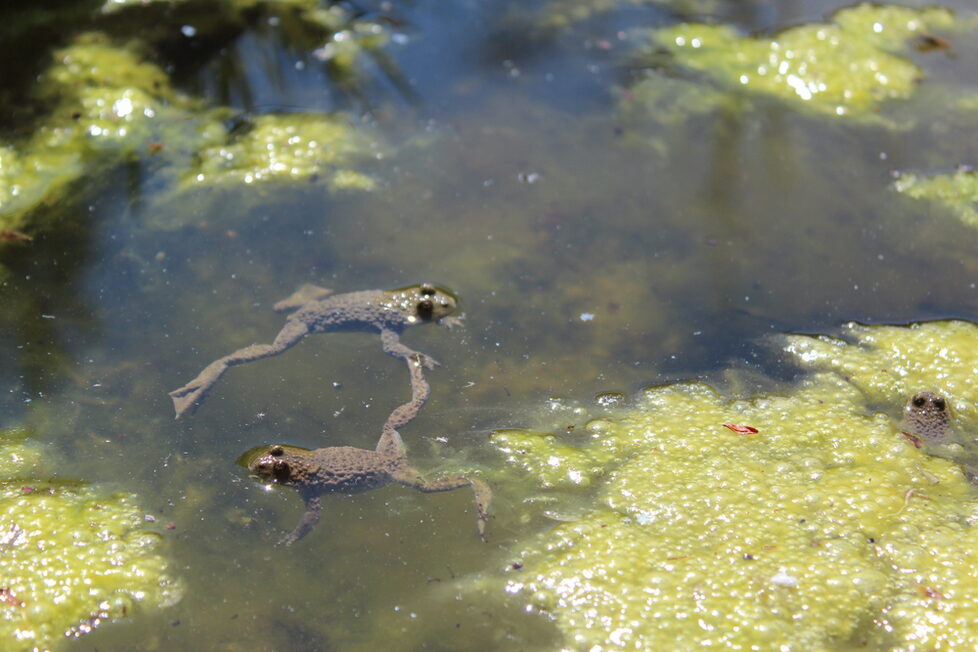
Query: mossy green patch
(72, 556)
(957, 191)
(845, 67)
(105, 100)
(292, 147)
(889, 363)
(555, 464)
(824, 529)
(109, 104)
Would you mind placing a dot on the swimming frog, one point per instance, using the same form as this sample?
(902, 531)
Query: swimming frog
(318, 310)
(344, 469)
(928, 424)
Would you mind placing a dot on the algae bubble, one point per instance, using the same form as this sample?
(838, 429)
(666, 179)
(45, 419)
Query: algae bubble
(817, 527)
(845, 67)
(72, 556)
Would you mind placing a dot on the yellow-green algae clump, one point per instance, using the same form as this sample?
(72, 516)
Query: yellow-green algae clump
(823, 530)
(106, 102)
(957, 191)
(847, 66)
(72, 556)
(292, 147)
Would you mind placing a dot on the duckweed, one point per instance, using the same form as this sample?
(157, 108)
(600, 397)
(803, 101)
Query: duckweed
(957, 191)
(845, 67)
(824, 529)
(72, 556)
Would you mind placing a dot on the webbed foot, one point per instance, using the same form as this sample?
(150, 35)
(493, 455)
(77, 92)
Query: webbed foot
(188, 398)
(425, 361)
(453, 321)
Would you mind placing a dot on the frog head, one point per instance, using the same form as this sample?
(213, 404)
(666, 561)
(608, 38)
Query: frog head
(273, 465)
(424, 303)
(928, 415)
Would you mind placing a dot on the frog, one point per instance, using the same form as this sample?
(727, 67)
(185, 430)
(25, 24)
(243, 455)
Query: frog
(928, 424)
(317, 310)
(349, 470)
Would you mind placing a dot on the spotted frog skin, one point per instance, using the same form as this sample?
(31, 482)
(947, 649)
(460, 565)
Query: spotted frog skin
(928, 423)
(928, 417)
(317, 310)
(344, 469)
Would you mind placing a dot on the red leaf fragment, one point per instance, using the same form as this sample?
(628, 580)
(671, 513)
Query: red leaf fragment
(9, 235)
(8, 597)
(927, 592)
(744, 430)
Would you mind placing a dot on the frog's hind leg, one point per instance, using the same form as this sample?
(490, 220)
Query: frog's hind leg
(308, 521)
(187, 398)
(308, 292)
(483, 494)
(391, 342)
(390, 443)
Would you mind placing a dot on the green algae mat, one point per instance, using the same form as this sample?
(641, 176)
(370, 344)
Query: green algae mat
(625, 191)
(72, 556)
(797, 520)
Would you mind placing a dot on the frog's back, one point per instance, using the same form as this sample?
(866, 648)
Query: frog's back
(346, 469)
(353, 311)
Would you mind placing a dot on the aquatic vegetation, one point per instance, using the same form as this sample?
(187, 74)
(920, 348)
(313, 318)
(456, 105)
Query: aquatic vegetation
(543, 456)
(333, 32)
(824, 528)
(289, 148)
(72, 556)
(848, 66)
(109, 104)
(890, 363)
(957, 191)
(106, 103)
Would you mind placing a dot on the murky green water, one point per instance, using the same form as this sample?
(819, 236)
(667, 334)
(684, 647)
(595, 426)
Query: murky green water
(594, 250)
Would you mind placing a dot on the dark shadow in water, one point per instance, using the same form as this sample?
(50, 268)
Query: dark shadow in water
(44, 313)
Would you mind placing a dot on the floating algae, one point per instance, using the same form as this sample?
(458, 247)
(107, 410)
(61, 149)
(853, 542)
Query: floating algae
(845, 67)
(293, 147)
(824, 529)
(72, 556)
(109, 104)
(957, 191)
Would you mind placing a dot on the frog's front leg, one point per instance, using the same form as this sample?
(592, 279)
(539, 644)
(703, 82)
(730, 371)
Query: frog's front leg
(391, 341)
(308, 521)
(483, 494)
(187, 398)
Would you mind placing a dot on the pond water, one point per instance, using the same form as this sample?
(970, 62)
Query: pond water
(594, 250)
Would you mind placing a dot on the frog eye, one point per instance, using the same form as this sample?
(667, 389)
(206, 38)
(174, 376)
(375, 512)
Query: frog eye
(919, 401)
(939, 403)
(277, 451)
(428, 290)
(426, 309)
